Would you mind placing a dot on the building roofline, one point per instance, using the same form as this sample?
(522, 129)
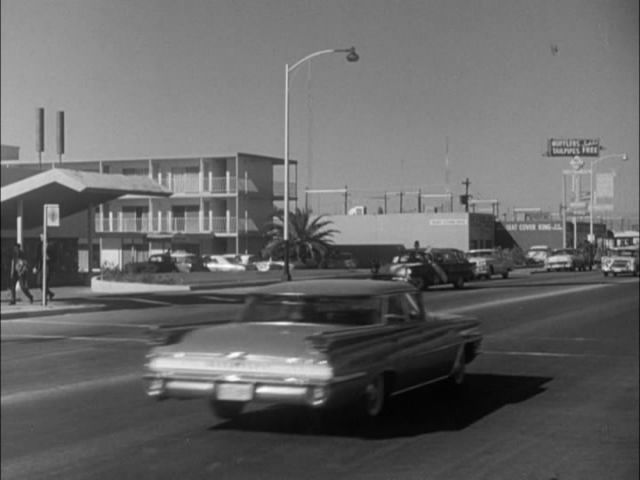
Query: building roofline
(24, 162)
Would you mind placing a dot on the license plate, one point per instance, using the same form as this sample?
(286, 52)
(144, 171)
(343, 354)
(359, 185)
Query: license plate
(239, 392)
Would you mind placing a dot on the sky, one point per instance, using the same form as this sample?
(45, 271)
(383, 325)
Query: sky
(482, 83)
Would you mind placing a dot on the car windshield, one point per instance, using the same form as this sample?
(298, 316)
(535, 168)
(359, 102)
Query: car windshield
(480, 253)
(352, 311)
(626, 253)
(564, 251)
(409, 257)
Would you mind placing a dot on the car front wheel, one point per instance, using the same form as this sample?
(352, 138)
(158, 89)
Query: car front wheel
(459, 282)
(374, 396)
(226, 410)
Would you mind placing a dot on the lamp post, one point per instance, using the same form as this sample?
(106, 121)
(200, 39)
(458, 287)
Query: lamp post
(352, 56)
(594, 162)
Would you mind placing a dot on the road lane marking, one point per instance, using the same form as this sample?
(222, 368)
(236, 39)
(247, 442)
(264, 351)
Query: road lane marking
(524, 298)
(44, 393)
(82, 323)
(142, 300)
(551, 354)
(18, 336)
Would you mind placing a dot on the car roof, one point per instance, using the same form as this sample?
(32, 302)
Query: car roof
(482, 250)
(180, 253)
(335, 287)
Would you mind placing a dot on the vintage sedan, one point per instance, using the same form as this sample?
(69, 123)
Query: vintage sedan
(222, 263)
(489, 262)
(426, 267)
(565, 259)
(319, 343)
(621, 260)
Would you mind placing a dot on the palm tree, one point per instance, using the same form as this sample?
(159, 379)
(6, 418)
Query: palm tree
(309, 237)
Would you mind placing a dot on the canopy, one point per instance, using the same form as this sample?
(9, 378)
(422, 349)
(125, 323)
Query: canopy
(72, 190)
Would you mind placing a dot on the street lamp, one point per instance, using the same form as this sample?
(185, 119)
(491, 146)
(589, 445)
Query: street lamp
(594, 161)
(352, 56)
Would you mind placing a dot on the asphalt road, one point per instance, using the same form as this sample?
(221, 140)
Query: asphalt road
(553, 396)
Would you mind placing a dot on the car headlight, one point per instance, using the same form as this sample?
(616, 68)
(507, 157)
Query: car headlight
(403, 272)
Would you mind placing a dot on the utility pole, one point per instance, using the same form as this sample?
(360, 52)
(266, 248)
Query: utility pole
(466, 184)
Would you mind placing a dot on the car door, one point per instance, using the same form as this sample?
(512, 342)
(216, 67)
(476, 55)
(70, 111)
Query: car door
(423, 347)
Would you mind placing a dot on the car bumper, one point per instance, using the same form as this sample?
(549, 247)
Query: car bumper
(616, 269)
(318, 394)
(559, 266)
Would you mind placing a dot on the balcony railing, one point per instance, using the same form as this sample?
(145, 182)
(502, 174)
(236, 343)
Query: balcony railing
(122, 224)
(191, 184)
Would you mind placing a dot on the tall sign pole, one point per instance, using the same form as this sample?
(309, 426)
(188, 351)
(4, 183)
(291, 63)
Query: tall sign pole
(51, 218)
(40, 134)
(60, 135)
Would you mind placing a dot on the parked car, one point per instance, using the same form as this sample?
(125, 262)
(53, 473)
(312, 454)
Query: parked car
(489, 262)
(222, 263)
(620, 260)
(339, 260)
(270, 264)
(187, 262)
(319, 343)
(156, 263)
(538, 254)
(247, 260)
(565, 259)
(427, 267)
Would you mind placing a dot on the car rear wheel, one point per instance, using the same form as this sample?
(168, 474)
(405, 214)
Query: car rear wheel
(375, 396)
(456, 379)
(505, 274)
(226, 410)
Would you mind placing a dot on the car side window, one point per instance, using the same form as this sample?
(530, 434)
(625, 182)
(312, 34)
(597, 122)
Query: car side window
(412, 305)
(395, 310)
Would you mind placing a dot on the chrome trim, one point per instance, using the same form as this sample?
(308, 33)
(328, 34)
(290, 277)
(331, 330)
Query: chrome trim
(419, 385)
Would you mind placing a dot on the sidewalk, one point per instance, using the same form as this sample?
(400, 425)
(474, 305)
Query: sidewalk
(83, 299)
(66, 300)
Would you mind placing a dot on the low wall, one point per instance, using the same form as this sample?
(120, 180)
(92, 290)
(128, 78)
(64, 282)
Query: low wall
(105, 286)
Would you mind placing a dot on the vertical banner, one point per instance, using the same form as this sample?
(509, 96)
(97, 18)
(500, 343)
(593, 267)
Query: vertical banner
(60, 134)
(39, 130)
(603, 198)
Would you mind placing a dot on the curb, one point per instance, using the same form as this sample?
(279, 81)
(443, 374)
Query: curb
(59, 309)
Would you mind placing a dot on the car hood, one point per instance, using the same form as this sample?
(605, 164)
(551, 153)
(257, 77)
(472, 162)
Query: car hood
(395, 267)
(559, 258)
(269, 339)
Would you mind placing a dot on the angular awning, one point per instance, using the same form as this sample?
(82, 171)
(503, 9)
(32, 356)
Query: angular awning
(73, 190)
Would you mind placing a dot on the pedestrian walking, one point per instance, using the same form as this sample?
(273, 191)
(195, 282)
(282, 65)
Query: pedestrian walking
(19, 270)
(37, 269)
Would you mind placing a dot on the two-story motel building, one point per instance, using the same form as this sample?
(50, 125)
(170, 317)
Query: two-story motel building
(218, 205)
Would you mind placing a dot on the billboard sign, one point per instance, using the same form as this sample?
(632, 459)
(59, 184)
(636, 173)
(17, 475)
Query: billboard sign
(604, 185)
(571, 147)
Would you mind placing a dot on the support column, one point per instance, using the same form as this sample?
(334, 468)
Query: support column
(19, 215)
(90, 227)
